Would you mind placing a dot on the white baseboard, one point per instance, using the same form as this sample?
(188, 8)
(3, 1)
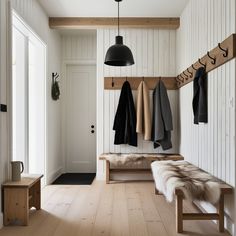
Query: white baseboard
(100, 176)
(54, 175)
(1, 220)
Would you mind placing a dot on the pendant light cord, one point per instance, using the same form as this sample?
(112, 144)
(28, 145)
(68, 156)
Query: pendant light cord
(118, 18)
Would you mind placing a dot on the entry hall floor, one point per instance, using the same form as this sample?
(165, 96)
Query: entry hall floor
(114, 209)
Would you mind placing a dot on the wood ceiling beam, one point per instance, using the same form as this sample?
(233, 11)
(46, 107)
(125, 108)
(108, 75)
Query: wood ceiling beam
(107, 22)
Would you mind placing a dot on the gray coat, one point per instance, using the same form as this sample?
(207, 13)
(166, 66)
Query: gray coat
(162, 118)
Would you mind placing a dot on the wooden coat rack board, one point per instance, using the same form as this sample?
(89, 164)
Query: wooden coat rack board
(114, 83)
(224, 52)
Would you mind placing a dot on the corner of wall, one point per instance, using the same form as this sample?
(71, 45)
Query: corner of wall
(54, 175)
(1, 220)
(100, 176)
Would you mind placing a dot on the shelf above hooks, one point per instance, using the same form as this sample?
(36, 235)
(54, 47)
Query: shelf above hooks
(115, 83)
(224, 52)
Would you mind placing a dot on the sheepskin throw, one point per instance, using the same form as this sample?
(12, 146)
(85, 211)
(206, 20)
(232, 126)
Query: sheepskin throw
(127, 158)
(195, 183)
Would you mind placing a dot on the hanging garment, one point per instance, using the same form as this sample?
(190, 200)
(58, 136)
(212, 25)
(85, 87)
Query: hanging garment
(143, 111)
(125, 118)
(200, 96)
(162, 118)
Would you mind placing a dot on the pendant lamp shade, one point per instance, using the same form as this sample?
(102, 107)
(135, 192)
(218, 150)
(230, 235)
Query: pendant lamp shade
(119, 54)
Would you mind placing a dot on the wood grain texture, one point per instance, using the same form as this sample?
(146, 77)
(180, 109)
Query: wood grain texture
(122, 209)
(170, 82)
(106, 22)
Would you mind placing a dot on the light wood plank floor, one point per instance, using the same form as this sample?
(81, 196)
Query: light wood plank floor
(120, 209)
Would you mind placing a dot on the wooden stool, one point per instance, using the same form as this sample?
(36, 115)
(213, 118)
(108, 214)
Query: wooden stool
(19, 197)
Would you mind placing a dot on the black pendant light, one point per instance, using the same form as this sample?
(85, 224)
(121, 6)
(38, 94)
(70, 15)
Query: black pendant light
(119, 54)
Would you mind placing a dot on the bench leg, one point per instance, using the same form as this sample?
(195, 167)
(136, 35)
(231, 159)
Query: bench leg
(221, 213)
(156, 191)
(179, 213)
(107, 172)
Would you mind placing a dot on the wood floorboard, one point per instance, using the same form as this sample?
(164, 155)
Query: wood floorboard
(121, 209)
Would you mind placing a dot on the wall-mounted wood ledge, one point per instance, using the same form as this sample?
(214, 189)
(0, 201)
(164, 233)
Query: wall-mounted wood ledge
(170, 82)
(107, 22)
(216, 53)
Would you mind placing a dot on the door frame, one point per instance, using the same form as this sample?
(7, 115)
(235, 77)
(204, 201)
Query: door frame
(65, 64)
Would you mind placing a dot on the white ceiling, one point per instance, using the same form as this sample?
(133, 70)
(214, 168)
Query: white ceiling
(108, 8)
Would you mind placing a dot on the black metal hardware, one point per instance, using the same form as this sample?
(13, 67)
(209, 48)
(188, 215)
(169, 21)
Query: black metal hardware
(3, 108)
(112, 82)
(193, 67)
(92, 126)
(92, 131)
(226, 51)
(191, 74)
(182, 78)
(213, 62)
(185, 75)
(201, 63)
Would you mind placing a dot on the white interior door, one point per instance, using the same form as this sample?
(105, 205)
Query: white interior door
(81, 119)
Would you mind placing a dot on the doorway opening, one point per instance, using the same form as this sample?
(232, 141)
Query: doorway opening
(28, 97)
(80, 119)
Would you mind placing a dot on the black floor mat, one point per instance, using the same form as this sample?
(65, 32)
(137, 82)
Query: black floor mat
(75, 179)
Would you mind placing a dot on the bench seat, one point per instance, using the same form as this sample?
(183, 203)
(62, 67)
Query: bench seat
(133, 162)
(186, 181)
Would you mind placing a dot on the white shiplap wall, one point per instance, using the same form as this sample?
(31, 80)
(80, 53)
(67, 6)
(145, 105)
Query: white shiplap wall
(211, 146)
(155, 55)
(81, 47)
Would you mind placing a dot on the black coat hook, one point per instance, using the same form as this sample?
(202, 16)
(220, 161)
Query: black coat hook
(112, 82)
(191, 74)
(226, 51)
(185, 75)
(182, 78)
(193, 67)
(178, 79)
(213, 62)
(201, 63)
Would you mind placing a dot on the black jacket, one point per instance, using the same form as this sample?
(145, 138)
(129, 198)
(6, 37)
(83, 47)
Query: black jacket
(125, 118)
(161, 118)
(200, 96)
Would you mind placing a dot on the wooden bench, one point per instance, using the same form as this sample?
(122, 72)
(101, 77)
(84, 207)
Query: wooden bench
(149, 157)
(181, 216)
(219, 215)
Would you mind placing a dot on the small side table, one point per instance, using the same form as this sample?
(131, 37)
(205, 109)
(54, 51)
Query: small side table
(19, 197)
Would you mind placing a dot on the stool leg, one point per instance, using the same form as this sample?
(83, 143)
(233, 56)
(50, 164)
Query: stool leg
(179, 213)
(221, 213)
(107, 172)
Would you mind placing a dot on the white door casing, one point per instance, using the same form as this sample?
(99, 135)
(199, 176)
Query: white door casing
(80, 117)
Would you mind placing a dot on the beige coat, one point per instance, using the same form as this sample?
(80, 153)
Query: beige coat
(143, 111)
